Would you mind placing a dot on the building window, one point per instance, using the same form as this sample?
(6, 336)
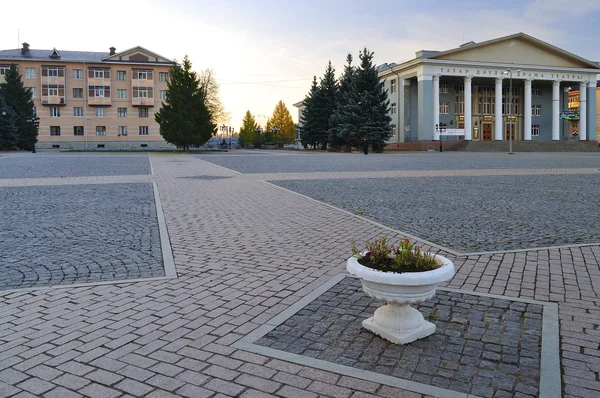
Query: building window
(99, 112)
(143, 130)
(54, 130)
(486, 105)
(142, 92)
(162, 95)
(53, 71)
(535, 130)
(53, 91)
(444, 87)
(29, 73)
(3, 70)
(77, 130)
(77, 93)
(143, 112)
(100, 130)
(77, 74)
(32, 89)
(121, 112)
(122, 130)
(78, 112)
(444, 108)
(536, 92)
(54, 111)
(393, 129)
(393, 86)
(460, 105)
(536, 110)
(121, 93)
(163, 76)
(512, 110)
(99, 73)
(393, 109)
(121, 75)
(460, 89)
(142, 74)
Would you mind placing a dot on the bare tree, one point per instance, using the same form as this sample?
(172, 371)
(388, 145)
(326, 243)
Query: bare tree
(210, 90)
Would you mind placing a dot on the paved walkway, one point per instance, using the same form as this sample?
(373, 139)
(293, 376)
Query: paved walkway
(246, 250)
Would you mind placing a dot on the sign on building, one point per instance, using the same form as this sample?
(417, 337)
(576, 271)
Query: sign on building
(569, 115)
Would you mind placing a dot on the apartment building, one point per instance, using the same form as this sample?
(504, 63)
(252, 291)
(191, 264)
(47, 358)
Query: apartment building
(94, 99)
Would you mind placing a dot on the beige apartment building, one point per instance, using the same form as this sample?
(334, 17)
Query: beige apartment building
(94, 99)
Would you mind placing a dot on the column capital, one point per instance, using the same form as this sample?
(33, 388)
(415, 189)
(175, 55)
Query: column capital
(556, 82)
(468, 78)
(436, 77)
(528, 80)
(499, 79)
(591, 84)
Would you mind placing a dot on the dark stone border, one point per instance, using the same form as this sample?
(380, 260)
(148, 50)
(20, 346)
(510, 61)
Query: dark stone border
(550, 377)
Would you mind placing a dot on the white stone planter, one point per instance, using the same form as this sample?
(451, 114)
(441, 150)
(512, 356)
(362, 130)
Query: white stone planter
(397, 321)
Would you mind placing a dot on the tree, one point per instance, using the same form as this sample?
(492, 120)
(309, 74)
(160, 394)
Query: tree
(248, 130)
(282, 125)
(308, 120)
(340, 128)
(210, 90)
(326, 104)
(362, 107)
(9, 136)
(19, 99)
(184, 118)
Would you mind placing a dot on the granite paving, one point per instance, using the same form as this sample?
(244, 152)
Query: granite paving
(47, 164)
(483, 346)
(56, 235)
(311, 162)
(245, 251)
(472, 214)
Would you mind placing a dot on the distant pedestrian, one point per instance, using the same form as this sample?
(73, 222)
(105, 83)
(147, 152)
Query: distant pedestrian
(366, 146)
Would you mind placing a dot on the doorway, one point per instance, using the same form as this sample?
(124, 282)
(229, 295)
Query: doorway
(510, 130)
(486, 132)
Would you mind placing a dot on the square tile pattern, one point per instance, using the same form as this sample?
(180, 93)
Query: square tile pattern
(484, 346)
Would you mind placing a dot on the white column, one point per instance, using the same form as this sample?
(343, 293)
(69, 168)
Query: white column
(468, 116)
(555, 111)
(583, 111)
(436, 106)
(498, 111)
(527, 112)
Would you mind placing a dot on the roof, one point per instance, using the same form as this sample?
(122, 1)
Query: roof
(44, 55)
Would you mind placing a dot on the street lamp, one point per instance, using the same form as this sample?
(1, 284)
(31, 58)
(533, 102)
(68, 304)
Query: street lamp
(257, 141)
(275, 131)
(231, 129)
(510, 108)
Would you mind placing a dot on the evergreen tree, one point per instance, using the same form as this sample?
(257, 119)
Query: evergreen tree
(247, 134)
(341, 125)
(285, 130)
(363, 107)
(308, 120)
(19, 99)
(9, 136)
(184, 118)
(325, 105)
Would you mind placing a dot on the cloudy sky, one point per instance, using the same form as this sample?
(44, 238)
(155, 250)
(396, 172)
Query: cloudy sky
(263, 51)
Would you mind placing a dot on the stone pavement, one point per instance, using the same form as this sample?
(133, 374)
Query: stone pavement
(245, 251)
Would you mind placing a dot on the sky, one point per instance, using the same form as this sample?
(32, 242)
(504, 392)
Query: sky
(263, 51)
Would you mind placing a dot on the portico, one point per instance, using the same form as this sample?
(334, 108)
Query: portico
(467, 90)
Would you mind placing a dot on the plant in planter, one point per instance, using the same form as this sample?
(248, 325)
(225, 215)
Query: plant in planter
(400, 275)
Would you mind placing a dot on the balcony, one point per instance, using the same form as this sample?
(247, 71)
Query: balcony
(142, 101)
(98, 81)
(53, 80)
(99, 101)
(53, 100)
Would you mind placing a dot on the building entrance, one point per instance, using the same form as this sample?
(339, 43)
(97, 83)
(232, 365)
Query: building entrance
(510, 128)
(486, 132)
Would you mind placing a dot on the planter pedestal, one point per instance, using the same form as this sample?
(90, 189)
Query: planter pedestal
(399, 324)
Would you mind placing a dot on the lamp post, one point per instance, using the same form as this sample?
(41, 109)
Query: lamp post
(275, 130)
(257, 141)
(230, 135)
(510, 108)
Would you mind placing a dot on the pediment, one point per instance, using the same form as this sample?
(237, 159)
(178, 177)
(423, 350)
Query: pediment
(519, 49)
(138, 54)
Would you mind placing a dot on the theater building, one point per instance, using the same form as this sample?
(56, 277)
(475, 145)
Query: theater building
(93, 99)
(467, 90)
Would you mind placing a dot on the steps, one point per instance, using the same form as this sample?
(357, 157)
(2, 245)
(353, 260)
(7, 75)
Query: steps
(532, 146)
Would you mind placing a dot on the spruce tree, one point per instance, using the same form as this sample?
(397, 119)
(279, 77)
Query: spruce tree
(184, 118)
(248, 130)
(342, 120)
(325, 105)
(308, 120)
(19, 99)
(362, 106)
(9, 137)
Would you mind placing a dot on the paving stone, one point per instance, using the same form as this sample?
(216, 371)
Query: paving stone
(60, 392)
(35, 386)
(133, 387)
